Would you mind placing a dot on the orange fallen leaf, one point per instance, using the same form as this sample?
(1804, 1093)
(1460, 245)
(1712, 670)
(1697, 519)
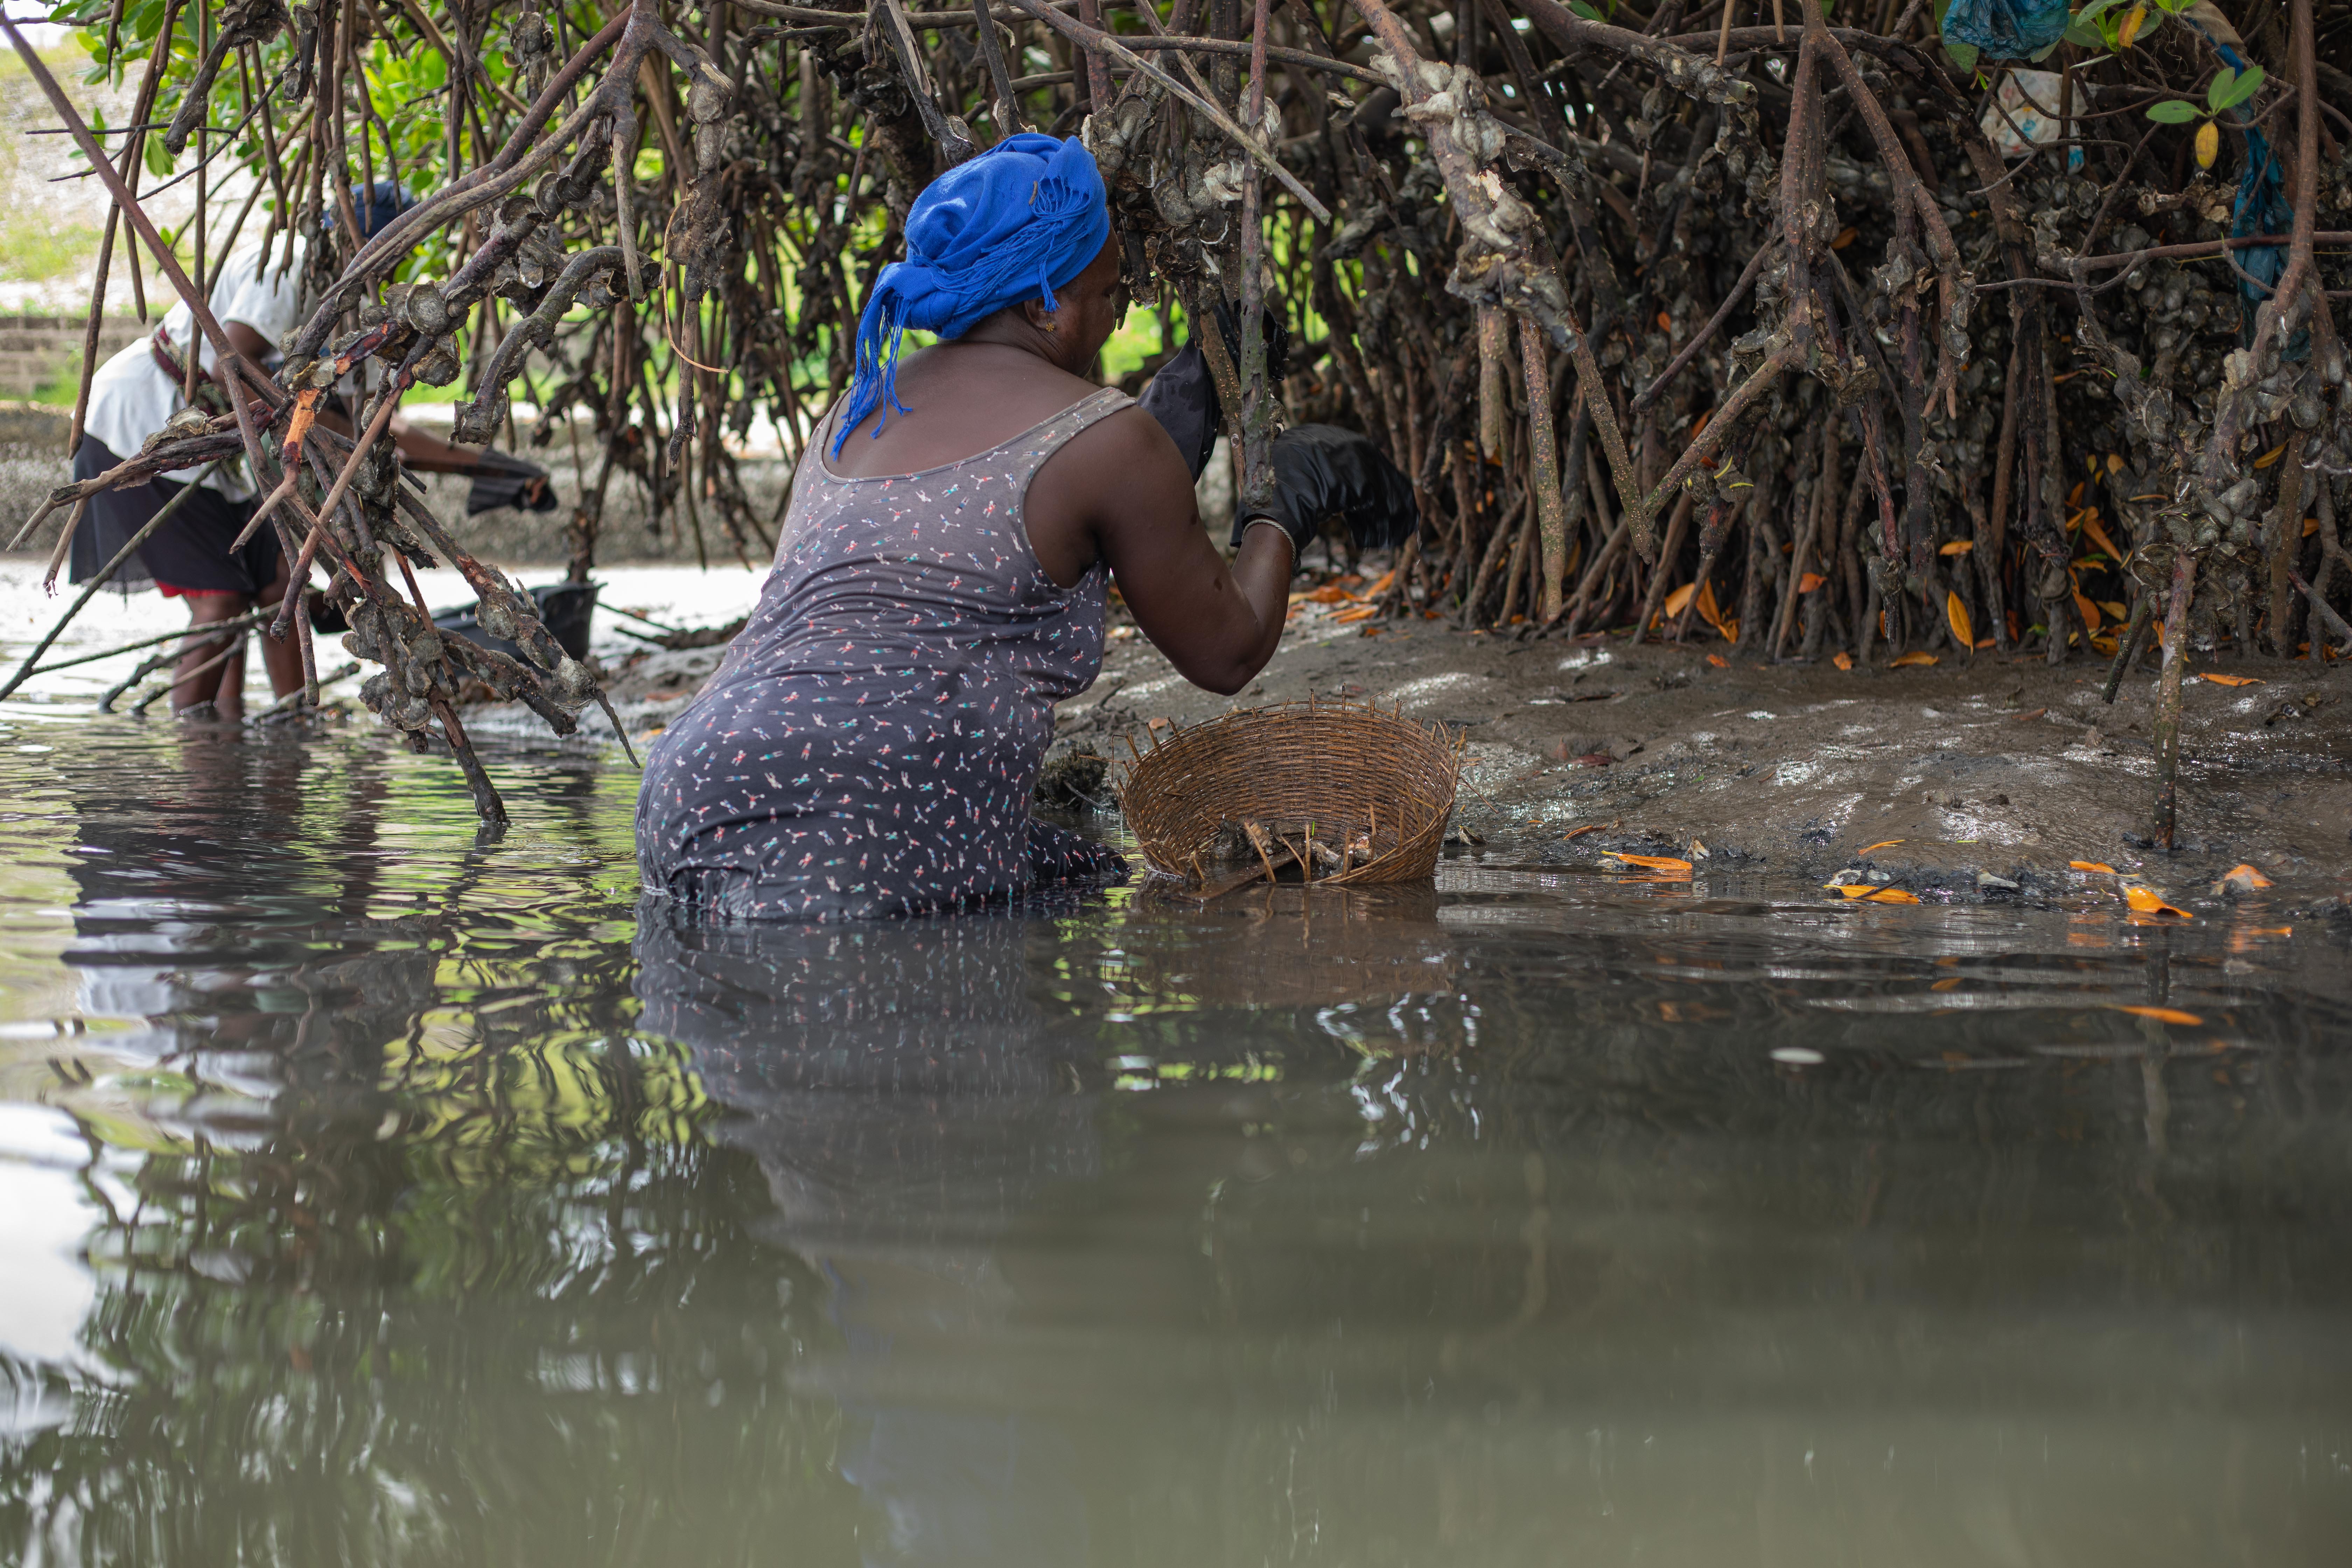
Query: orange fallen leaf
(1651, 862)
(2310, 526)
(1717, 660)
(2273, 456)
(1983, 643)
(2243, 877)
(1159, 723)
(1883, 844)
(1892, 896)
(1843, 660)
(2114, 609)
(2228, 679)
(2148, 901)
(2162, 1015)
(2087, 610)
(1356, 613)
(2075, 498)
(1914, 657)
(2092, 866)
(1707, 611)
(2099, 536)
(1845, 237)
(1680, 599)
(1957, 614)
(1385, 581)
(1951, 984)
(2114, 462)
(1852, 890)
(1666, 322)
(1810, 581)
(1330, 594)
(1958, 547)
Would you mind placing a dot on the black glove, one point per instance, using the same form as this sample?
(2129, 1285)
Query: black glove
(501, 479)
(1183, 396)
(1320, 469)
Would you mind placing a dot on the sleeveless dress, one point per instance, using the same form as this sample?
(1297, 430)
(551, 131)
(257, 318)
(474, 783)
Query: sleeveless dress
(869, 743)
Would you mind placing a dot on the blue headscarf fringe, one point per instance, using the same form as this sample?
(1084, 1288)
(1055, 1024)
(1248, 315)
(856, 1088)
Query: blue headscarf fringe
(991, 232)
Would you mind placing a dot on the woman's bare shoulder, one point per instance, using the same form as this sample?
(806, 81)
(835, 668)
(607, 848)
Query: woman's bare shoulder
(961, 400)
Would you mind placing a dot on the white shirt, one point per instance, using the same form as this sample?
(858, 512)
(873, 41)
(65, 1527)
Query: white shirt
(132, 396)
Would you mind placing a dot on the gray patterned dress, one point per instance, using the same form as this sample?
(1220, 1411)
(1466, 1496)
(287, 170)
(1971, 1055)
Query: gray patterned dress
(870, 744)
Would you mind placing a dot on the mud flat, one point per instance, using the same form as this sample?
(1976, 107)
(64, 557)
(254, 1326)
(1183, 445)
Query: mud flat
(1956, 781)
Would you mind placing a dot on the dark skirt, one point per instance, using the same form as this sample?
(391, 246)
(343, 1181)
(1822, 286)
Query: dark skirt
(190, 553)
(1055, 858)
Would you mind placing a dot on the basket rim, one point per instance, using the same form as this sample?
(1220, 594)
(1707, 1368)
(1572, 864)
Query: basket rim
(1306, 707)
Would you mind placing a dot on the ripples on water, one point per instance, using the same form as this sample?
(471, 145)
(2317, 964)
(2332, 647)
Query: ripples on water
(370, 1196)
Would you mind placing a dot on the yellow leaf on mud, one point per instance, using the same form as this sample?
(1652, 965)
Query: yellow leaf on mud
(1958, 547)
(2273, 456)
(2243, 877)
(1957, 614)
(1892, 896)
(2116, 612)
(1679, 598)
(2209, 144)
(1810, 581)
(2162, 1015)
(1843, 660)
(1717, 660)
(1652, 862)
(2148, 901)
(1883, 844)
(2230, 680)
(1912, 660)
(2114, 462)
(2092, 866)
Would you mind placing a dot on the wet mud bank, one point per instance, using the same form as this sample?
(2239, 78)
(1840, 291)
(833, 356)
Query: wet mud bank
(1957, 783)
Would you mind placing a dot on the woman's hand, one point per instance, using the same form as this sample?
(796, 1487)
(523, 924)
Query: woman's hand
(1321, 470)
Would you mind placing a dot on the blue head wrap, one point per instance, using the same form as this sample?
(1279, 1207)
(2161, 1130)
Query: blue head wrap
(994, 230)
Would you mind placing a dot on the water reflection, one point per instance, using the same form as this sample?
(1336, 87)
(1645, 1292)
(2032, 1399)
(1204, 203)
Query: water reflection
(370, 1196)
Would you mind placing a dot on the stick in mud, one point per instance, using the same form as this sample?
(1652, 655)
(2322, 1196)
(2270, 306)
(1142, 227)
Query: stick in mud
(2167, 698)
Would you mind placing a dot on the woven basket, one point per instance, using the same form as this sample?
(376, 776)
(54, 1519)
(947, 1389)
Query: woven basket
(1348, 769)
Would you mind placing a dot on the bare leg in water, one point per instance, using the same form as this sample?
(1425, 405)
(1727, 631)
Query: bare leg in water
(224, 684)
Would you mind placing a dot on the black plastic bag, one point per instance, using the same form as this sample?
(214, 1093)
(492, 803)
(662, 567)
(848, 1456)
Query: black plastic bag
(502, 480)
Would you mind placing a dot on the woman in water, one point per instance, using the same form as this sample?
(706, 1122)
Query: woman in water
(869, 743)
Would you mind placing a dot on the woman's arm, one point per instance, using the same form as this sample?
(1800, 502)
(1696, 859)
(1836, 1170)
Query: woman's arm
(1125, 482)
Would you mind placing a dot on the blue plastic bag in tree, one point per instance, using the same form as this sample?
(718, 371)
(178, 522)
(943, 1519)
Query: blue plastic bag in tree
(2006, 29)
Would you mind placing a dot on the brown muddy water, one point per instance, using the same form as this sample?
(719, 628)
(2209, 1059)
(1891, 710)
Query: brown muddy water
(372, 1195)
